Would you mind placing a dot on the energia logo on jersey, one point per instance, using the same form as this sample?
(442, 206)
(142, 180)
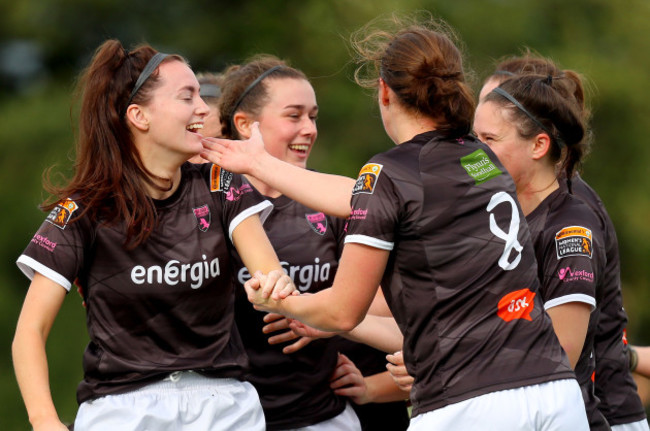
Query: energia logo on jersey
(302, 276)
(175, 272)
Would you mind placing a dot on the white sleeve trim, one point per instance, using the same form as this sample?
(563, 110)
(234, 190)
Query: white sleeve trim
(370, 241)
(30, 266)
(263, 208)
(576, 297)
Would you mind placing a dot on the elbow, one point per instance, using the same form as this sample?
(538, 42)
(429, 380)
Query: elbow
(348, 323)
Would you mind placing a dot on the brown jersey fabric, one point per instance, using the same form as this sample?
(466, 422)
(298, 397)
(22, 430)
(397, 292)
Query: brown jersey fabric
(294, 388)
(615, 387)
(166, 305)
(461, 278)
(568, 244)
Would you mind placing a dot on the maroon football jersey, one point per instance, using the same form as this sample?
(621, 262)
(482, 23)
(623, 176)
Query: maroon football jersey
(166, 305)
(615, 387)
(461, 279)
(568, 244)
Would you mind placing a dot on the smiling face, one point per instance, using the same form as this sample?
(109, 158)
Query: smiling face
(174, 115)
(288, 120)
(492, 127)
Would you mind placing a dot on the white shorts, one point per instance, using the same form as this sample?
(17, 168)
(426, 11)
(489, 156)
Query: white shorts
(347, 420)
(184, 401)
(551, 406)
(632, 426)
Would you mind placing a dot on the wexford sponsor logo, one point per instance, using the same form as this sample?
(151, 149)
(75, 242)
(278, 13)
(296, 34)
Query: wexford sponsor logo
(573, 241)
(175, 272)
(367, 179)
(61, 214)
(567, 275)
(318, 222)
(44, 242)
(234, 194)
(358, 214)
(302, 276)
(516, 305)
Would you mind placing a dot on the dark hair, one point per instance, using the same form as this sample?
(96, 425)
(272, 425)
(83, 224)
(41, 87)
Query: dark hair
(530, 63)
(241, 92)
(109, 176)
(548, 102)
(420, 62)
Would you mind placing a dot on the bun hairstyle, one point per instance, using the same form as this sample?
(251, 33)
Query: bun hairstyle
(420, 62)
(551, 104)
(110, 178)
(244, 88)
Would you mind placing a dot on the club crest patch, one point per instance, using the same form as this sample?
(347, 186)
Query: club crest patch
(367, 179)
(202, 215)
(220, 179)
(61, 214)
(318, 222)
(573, 241)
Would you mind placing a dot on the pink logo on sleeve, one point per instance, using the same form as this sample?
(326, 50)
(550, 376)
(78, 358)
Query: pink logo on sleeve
(234, 194)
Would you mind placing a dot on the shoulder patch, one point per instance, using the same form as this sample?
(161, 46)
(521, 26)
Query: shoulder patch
(367, 179)
(573, 241)
(479, 166)
(61, 214)
(219, 179)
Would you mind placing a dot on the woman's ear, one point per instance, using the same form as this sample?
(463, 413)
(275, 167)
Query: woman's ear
(541, 146)
(136, 116)
(383, 91)
(243, 124)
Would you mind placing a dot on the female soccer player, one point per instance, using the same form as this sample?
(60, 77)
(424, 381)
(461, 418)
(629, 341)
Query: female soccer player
(147, 236)
(436, 222)
(293, 380)
(615, 388)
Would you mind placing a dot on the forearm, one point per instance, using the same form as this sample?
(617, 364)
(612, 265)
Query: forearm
(642, 360)
(323, 192)
(30, 365)
(382, 389)
(321, 311)
(382, 333)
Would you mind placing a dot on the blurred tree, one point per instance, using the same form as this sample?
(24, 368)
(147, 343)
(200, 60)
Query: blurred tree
(45, 43)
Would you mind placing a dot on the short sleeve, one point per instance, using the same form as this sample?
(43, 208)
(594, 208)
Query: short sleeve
(570, 266)
(375, 208)
(239, 199)
(57, 249)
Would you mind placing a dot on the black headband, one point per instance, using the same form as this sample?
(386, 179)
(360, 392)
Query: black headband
(210, 90)
(145, 74)
(503, 72)
(519, 106)
(252, 85)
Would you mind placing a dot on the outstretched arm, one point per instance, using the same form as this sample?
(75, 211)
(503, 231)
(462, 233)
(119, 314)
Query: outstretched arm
(339, 308)
(42, 304)
(323, 192)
